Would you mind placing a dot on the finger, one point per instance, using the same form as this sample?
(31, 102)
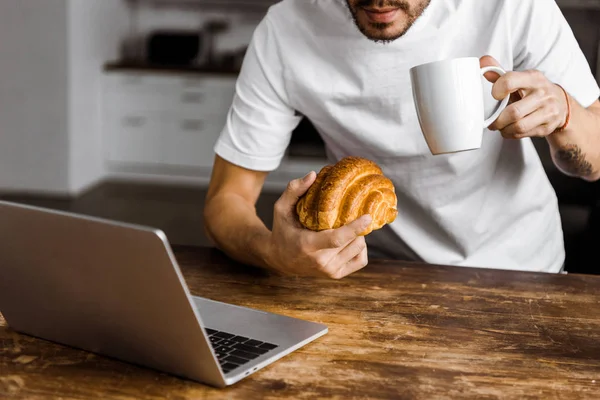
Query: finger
(348, 259)
(294, 190)
(340, 237)
(489, 61)
(514, 81)
(517, 111)
(533, 124)
(357, 263)
(351, 250)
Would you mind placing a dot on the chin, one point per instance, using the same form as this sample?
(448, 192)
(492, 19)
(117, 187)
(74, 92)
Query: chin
(383, 36)
(382, 32)
(377, 34)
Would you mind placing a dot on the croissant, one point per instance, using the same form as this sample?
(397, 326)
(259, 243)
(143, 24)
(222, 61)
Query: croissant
(345, 191)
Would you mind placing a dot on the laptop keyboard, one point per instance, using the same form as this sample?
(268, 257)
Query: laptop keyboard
(233, 351)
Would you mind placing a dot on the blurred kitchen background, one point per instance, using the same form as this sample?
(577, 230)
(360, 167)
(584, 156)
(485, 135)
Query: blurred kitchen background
(111, 108)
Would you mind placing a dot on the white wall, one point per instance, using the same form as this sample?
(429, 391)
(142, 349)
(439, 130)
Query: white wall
(96, 29)
(52, 54)
(34, 151)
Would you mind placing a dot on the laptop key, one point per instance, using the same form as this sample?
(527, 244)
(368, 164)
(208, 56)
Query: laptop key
(228, 366)
(210, 331)
(253, 343)
(224, 335)
(244, 354)
(268, 346)
(239, 339)
(250, 349)
(221, 355)
(235, 360)
(227, 343)
(223, 349)
(215, 340)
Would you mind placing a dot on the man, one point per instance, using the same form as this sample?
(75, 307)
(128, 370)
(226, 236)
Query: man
(493, 207)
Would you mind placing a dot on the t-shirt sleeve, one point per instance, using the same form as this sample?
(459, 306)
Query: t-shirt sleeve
(543, 40)
(260, 120)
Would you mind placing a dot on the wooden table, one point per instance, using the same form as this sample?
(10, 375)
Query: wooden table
(396, 330)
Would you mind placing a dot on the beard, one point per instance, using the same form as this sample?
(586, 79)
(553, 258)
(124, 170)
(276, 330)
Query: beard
(386, 32)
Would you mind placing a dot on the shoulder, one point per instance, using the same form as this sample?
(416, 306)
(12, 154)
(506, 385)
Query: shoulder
(514, 10)
(511, 6)
(516, 15)
(520, 11)
(305, 17)
(288, 14)
(301, 8)
(483, 10)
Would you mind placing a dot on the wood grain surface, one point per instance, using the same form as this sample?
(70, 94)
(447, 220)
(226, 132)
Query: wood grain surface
(396, 330)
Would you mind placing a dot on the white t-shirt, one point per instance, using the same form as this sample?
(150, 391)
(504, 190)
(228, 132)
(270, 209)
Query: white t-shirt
(493, 207)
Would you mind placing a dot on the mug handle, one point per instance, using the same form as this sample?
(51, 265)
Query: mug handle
(504, 102)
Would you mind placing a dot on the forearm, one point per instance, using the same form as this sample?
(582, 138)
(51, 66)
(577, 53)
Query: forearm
(233, 226)
(576, 150)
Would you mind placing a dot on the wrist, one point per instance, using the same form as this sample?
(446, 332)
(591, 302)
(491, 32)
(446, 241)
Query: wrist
(559, 139)
(567, 110)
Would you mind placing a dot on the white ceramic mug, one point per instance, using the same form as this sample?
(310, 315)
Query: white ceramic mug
(449, 99)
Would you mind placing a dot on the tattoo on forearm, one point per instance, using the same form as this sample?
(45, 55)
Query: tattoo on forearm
(573, 161)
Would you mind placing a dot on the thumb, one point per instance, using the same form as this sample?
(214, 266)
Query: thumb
(295, 189)
(489, 61)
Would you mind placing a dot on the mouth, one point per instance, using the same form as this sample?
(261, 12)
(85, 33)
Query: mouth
(381, 15)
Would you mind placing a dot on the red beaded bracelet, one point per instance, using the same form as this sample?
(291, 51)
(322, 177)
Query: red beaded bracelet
(562, 128)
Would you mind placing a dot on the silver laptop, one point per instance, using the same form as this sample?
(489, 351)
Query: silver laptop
(115, 289)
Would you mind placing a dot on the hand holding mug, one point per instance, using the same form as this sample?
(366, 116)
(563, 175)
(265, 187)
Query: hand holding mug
(538, 107)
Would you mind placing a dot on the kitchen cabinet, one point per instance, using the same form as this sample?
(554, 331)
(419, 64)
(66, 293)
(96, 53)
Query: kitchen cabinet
(154, 120)
(162, 127)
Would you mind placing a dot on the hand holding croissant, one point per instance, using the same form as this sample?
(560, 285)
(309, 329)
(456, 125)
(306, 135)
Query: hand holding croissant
(339, 207)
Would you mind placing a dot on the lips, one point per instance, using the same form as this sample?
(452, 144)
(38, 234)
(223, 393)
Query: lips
(381, 16)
